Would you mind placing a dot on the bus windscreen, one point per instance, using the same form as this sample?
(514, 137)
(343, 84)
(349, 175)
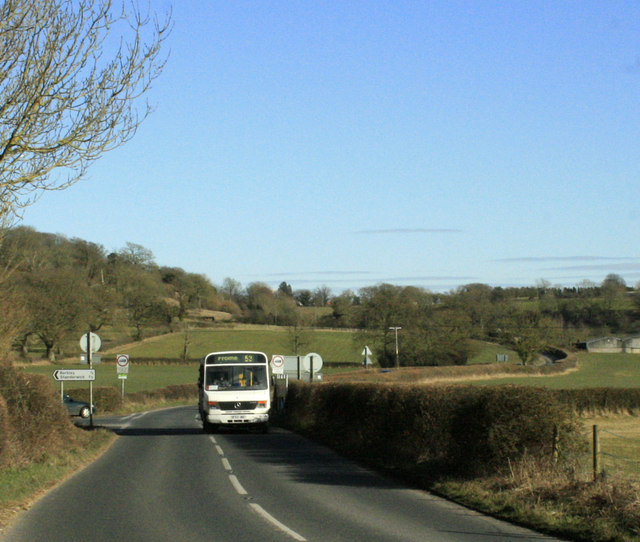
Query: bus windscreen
(236, 377)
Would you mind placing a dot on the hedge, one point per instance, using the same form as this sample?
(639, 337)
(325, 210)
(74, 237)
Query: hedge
(463, 430)
(618, 400)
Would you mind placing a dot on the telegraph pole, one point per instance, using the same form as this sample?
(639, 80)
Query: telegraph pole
(396, 331)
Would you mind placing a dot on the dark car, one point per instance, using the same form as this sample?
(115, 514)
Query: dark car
(77, 408)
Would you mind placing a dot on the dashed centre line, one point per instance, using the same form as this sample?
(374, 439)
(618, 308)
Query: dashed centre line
(237, 485)
(254, 506)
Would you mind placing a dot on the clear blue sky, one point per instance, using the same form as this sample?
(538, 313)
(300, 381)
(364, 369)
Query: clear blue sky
(356, 142)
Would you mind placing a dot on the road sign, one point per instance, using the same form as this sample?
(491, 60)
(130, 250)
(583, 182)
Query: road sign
(64, 375)
(277, 364)
(317, 362)
(95, 342)
(122, 364)
(366, 352)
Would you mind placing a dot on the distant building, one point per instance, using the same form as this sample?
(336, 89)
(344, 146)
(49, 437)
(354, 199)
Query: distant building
(605, 345)
(613, 345)
(632, 345)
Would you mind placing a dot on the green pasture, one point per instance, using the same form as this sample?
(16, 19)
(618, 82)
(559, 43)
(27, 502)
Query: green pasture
(487, 352)
(140, 378)
(154, 361)
(336, 346)
(593, 371)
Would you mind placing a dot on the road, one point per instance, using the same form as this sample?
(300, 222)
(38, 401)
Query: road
(163, 479)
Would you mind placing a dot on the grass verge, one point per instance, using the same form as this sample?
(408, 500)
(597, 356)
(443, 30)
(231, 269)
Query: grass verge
(554, 503)
(23, 485)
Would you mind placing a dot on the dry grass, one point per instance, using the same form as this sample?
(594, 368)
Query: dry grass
(556, 500)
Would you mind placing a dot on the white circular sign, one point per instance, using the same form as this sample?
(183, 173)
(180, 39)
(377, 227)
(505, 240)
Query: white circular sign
(122, 360)
(95, 342)
(317, 362)
(277, 361)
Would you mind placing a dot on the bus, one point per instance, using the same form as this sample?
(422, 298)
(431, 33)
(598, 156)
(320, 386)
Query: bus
(234, 390)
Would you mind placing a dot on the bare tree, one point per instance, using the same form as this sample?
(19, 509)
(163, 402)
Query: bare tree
(71, 73)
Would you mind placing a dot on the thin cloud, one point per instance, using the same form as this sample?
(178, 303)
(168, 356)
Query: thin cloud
(536, 259)
(369, 281)
(426, 278)
(315, 273)
(599, 267)
(408, 230)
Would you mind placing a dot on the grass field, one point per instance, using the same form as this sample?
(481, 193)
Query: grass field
(619, 444)
(140, 378)
(338, 346)
(594, 371)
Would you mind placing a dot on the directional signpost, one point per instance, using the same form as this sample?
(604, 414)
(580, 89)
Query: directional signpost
(65, 375)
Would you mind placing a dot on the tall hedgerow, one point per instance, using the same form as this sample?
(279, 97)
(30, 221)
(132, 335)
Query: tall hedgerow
(36, 422)
(462, 430)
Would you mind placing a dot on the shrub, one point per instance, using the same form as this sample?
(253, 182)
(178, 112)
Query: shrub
(441, 429)
(105, 398)
(37, 421)
(618, 400)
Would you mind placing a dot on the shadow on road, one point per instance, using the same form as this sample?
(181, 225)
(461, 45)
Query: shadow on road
(305, 461)
(156, 431)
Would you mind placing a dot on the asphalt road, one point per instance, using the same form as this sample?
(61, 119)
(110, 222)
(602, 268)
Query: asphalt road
(163, 479)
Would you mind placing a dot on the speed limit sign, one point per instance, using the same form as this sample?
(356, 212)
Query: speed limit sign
(122, 361)
(277, 364)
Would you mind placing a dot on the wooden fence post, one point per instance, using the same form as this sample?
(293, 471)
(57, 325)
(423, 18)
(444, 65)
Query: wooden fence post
(596, 453)
(554, 450)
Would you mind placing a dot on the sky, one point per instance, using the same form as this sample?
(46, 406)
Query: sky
(346, 144)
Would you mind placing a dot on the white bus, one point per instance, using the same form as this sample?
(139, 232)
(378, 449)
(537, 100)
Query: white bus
(234, 390)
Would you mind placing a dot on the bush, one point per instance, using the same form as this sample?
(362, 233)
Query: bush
(462, 430)
(105, 398)
(37, 422)
(618, 400)
(175, 392)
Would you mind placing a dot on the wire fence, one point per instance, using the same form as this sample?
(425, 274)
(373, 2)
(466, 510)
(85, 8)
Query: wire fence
(616, 454)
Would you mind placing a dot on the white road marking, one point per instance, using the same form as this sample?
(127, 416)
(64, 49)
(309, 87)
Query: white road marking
(262, 512)
(237, 485)
(256, 507)
(131, 418)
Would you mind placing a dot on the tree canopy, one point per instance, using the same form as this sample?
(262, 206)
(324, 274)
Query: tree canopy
(71, 75)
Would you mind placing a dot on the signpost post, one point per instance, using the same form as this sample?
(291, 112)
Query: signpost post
(90, 343)
(366, 353)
